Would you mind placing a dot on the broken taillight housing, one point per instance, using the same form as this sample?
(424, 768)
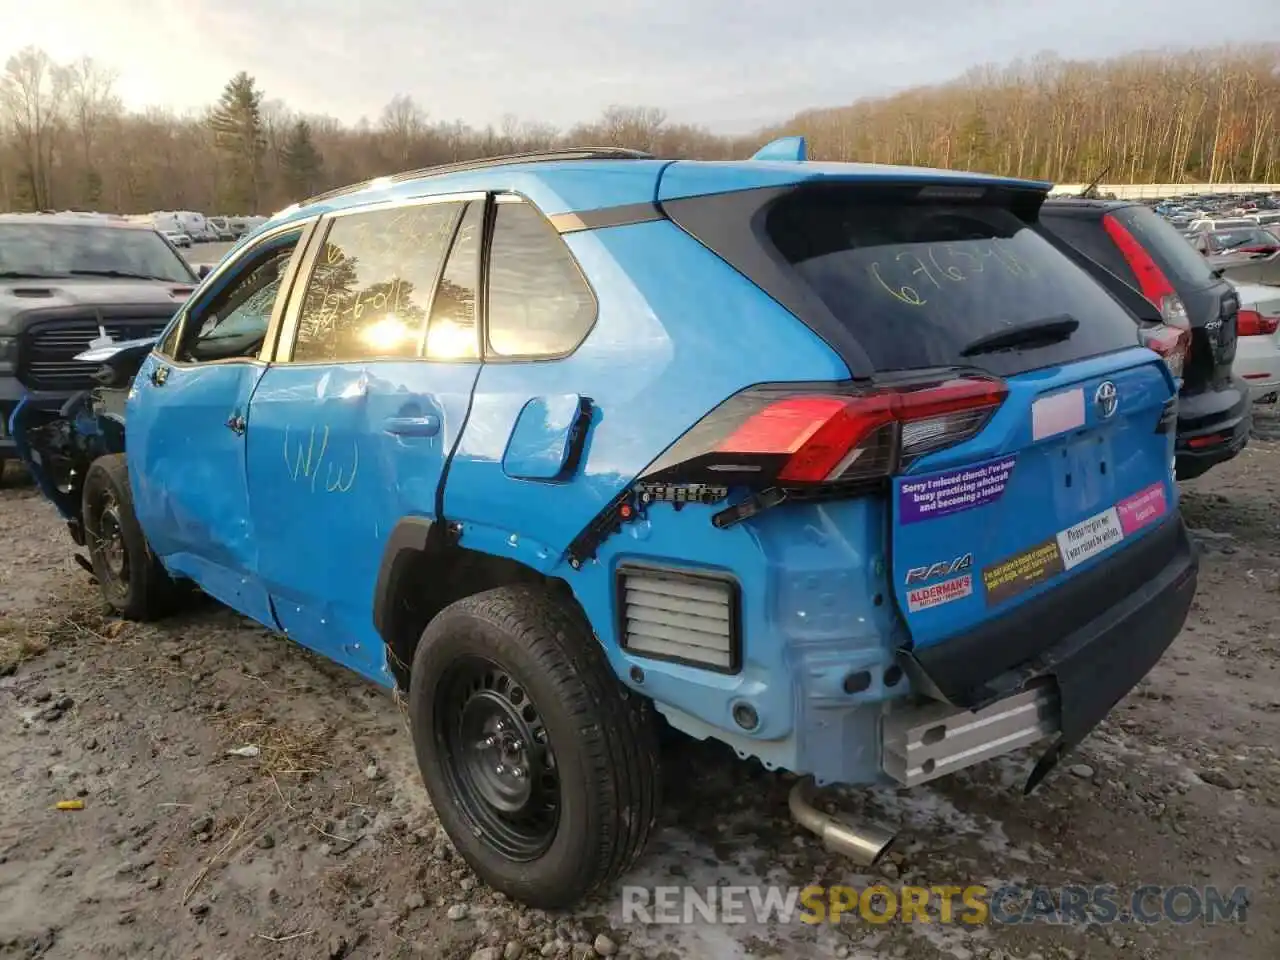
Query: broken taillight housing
(798, 437)
(1155, 286)
(1172, 343)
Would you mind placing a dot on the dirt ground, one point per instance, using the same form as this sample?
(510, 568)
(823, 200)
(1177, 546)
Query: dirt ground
(323, 844)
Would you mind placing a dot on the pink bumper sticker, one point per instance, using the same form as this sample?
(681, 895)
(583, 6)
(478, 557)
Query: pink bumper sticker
(1142, 508)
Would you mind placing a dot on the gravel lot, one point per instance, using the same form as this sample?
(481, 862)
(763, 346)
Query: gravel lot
(323, 844)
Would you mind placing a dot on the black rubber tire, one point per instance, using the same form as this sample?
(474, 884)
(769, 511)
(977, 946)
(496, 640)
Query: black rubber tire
(148, 592)
(602, 735)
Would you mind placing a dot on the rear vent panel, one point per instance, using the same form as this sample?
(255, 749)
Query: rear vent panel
(689, 618)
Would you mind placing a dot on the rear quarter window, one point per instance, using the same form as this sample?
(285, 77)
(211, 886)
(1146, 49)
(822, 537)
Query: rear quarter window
(919, 282)
(539, 303)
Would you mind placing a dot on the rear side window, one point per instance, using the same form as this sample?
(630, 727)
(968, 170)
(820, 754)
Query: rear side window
(539, 302)
(1184, 266)
(920, 283)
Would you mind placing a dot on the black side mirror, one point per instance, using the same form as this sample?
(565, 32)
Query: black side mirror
(203, 270)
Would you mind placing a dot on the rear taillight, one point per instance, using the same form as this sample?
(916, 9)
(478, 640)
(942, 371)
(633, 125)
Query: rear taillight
(1172, 343)
(1251, 323)
(791, 437)
(1152, 281)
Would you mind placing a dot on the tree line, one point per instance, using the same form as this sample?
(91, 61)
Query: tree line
(67, 142)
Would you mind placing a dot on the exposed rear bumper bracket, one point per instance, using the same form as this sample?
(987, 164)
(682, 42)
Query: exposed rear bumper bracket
(1053, 667)
(921, 742)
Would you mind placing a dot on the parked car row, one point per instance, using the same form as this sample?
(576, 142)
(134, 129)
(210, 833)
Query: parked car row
(185, 227)
(1239, 239)
(1215, 211)
(866, 472)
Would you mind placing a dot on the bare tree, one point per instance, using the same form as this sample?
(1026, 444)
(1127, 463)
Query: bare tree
(91, 104)
(1156, 117)
(31, 94)
(403, 123)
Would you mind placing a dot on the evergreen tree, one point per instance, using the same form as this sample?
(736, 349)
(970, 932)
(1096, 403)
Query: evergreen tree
(238, 136)
(301, 161)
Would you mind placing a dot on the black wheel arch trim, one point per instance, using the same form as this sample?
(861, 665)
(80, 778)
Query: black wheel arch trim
(410, 538)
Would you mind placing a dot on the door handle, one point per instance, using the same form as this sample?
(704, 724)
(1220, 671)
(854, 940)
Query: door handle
(159, 374)
(424, 426)
(236, 424)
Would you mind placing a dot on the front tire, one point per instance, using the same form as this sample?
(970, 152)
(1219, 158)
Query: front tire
(133, 582)
(542, 767)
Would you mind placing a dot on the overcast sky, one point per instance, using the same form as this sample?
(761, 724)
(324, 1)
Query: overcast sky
(732, 64)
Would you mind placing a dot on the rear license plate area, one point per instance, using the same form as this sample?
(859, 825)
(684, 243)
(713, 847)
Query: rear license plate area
(1082, 467)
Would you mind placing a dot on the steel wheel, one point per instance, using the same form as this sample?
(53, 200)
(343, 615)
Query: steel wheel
(106, 540)
(499, 765)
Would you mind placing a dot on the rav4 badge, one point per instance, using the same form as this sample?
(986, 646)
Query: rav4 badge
(943, 568)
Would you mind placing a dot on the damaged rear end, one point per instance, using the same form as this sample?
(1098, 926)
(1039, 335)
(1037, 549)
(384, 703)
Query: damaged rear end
(1016, 435)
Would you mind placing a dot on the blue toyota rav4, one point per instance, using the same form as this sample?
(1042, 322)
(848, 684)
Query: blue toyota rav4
(842, 465)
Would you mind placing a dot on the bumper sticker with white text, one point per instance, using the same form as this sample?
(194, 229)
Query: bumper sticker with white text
(1073, 546)
(1088, 538)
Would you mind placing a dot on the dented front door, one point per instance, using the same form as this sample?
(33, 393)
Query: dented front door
(187, 420)
(187, 470)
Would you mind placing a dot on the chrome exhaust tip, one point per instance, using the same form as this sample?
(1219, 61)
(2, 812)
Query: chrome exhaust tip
(865, 844)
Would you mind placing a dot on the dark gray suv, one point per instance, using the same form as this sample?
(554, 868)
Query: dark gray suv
(1126, 241)
(69, 282)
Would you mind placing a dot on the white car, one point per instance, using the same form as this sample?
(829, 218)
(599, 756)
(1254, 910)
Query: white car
(1258, 340)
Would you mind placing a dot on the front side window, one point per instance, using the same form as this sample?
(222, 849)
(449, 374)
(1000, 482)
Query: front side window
(369, 292)
(233, 324)
(539, 302)
(30, 248)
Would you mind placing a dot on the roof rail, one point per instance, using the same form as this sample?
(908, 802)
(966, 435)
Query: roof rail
(534, 156)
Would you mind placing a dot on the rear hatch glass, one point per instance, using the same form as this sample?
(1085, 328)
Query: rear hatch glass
(1181, 262)
(925, 283)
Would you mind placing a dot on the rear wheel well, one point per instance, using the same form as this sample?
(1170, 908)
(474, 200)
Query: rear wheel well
(430, 580)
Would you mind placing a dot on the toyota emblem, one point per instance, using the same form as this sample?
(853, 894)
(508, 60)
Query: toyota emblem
(1106, 399)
